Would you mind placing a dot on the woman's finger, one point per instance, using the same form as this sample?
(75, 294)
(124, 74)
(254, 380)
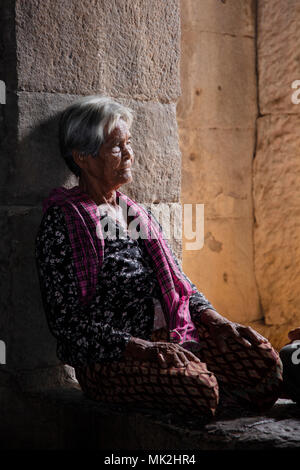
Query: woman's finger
(243, 341)
(175, 360)
(183, 358)
(191, 357)
(162, 361)
(253, 335)
(188, 354)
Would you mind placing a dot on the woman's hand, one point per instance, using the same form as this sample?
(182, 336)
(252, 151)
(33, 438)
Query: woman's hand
(166, 354)
(223, 330)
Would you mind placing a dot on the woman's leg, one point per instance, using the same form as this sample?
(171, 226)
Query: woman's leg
(252, 376)
(186, 389)
(127, 381)
(290, 356)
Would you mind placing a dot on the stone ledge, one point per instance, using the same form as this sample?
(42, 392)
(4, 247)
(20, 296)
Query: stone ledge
(66, 419)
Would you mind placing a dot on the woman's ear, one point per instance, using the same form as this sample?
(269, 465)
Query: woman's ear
(79, 159)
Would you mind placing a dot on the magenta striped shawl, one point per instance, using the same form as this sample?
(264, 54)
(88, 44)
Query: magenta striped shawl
(82, 217)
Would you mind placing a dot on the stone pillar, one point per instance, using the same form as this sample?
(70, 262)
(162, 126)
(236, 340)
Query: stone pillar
(277, 168)
(54, 52)
(217, 116)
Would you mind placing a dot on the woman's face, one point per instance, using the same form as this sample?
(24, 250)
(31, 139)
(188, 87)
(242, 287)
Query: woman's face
(112, 166)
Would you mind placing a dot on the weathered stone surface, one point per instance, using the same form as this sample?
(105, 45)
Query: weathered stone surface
(216, 170)
(157, 166)
(217, 167)
(277, 213)
(37, 166)
(218, 81)
(128, 49)
(67, 420)
(216, 117)
(60, 376)
(278, 55)
(235, 17)
(23, 324)
(223, 269)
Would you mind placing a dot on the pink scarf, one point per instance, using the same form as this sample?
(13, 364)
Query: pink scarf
(82, 218)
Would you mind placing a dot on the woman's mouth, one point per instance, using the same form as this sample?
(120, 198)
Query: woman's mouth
(126, 172)
(126, 168)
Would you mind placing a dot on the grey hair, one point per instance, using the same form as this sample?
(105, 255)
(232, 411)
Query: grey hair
(83, 125)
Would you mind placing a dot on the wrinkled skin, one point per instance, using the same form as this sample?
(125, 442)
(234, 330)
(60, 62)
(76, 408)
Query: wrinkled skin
(221, 330)
(100, 178)
(111, 168)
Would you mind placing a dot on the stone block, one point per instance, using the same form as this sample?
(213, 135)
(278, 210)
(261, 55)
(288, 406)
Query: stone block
(34, 164)
(278, 55)
(36, 167)
(128, 49)
(277, 213)
(23, 326)
(157, 167)
(217, 117)
(235, 17)
(223, 269)
(218, 73)
(216, 170)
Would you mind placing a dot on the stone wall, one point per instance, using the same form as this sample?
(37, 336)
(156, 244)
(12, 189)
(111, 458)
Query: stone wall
(240, 140)
(58, 51)
(217, 116)
(276, 174)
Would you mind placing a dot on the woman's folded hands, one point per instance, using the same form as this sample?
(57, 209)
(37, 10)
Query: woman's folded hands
(166, 354)
(221, 330)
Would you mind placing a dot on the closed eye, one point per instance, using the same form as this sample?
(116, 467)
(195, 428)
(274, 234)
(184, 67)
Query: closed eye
(116, 147)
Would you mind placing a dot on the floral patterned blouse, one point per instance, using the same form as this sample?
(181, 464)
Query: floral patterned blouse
(125, 299)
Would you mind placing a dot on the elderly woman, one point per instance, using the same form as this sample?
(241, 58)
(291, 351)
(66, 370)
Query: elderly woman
(125, 316)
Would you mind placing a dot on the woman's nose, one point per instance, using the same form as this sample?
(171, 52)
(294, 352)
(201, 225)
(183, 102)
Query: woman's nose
(127, 152)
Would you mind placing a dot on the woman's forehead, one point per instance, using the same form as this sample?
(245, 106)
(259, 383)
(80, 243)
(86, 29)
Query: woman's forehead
(121, 130)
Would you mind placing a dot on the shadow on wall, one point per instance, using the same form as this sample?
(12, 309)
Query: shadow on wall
(37, 166)
(33, 167)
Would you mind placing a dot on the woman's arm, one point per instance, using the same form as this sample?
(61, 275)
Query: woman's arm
(221, 329)
(80, 329)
